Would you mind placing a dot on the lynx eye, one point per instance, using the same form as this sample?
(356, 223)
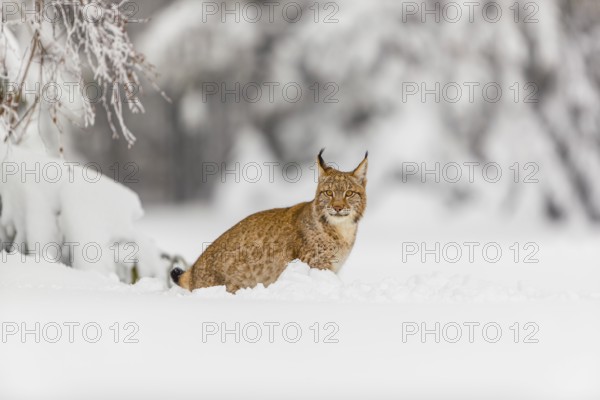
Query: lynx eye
(329, 193)
(350, 193)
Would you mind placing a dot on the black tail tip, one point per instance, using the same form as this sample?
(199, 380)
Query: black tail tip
(176, 274)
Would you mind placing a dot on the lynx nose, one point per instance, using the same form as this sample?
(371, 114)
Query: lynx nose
(338, 208)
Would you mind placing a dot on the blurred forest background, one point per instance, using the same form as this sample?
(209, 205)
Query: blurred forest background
(367, 56)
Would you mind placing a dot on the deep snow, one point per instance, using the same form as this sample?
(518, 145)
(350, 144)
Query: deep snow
(313, 334)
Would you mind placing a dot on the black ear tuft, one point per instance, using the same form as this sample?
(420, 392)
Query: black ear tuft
(367, 154)
(321, 161)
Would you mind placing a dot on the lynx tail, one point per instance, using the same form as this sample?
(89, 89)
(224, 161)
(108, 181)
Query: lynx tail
(181, 278)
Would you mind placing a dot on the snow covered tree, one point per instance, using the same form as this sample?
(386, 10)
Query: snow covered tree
(53, 56)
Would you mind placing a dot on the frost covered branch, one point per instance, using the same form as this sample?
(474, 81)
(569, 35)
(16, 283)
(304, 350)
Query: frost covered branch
(83, 43)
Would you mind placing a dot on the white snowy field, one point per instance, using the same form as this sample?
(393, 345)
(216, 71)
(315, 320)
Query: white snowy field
(384, 328)
(485, 300)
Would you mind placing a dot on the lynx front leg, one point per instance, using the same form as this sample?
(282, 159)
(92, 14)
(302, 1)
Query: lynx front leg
(319, 260)
(328, 257)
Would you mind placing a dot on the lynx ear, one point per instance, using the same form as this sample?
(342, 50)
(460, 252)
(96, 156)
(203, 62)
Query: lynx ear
(360, 172)
(322, 166)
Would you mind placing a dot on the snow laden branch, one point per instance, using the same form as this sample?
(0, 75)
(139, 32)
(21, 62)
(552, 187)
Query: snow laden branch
(78, 52)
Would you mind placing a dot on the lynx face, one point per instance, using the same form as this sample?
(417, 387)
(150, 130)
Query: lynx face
(341, 196)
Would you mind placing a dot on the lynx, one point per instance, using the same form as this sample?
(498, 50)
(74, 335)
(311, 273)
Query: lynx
(320, 233)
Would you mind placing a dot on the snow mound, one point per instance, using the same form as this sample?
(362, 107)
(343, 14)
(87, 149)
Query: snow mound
(298, 283)
(72, 214)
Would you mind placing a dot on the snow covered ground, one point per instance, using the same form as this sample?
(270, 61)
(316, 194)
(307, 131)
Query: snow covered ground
(481, 303)
(386, 327)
